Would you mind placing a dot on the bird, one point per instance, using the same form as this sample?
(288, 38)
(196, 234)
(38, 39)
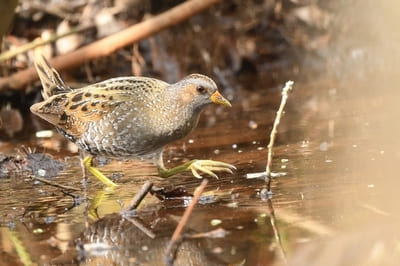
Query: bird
(128, 117)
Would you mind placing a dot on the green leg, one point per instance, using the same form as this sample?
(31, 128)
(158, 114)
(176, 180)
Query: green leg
(165, 173)
(87, 162)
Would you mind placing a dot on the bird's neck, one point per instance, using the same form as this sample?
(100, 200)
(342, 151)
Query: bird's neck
(180, 119)
(185, 120)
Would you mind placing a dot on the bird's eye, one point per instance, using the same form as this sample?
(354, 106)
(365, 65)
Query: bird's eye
(201, 89)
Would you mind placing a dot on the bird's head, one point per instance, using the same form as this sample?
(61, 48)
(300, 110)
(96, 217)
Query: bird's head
(197, 91)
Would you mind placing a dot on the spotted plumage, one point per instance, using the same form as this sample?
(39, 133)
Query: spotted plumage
(126, 116)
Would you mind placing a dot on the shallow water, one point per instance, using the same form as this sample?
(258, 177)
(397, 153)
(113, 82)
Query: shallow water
(337, 146)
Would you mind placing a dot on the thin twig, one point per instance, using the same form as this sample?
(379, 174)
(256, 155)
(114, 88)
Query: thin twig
(172, 247)
(274, 131)
(267, 175)
(54, 184)
(77, 199)
(139, 196)
(110, 44)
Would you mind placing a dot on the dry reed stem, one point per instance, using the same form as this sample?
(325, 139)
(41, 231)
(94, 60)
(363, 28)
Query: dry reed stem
(267, 174)
(285, 94)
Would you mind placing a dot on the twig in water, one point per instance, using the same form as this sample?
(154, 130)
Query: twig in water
(77, 199)
(176, 236)
(53, 183)
(267, 174)
(126, 213)
(274, 131)
(139, 196)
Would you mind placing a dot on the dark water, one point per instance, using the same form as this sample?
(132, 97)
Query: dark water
(336, 147)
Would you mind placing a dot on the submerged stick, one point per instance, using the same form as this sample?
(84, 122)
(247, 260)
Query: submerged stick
(139, 196)
(110, 44)
(267, 174)
(176, 236)
(54, 184)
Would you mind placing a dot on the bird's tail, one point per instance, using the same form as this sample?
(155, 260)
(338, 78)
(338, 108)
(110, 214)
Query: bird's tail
(51, 81)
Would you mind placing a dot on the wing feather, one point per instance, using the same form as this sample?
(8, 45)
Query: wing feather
(74, 111)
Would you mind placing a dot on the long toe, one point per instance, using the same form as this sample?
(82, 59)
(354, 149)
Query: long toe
(209, 167)
(221, 169)
(195, 173)
(212, 163)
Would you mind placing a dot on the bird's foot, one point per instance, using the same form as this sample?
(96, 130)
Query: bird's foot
(209, 167)
(196, 166)
(87, 162)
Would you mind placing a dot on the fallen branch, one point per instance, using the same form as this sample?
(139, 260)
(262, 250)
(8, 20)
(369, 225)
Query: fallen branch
(109, 44)
(176, 236)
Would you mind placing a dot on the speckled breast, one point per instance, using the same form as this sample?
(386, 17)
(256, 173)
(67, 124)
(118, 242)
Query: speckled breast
(134, 132)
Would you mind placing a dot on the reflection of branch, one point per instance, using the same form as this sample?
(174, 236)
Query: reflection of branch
(176, 237)
(140, 226)
(276, 231)
(110, 44)
(126, 213)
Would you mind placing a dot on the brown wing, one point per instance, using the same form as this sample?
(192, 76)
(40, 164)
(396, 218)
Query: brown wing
(74, 111)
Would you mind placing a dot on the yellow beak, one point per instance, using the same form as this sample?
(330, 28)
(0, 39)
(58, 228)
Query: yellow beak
(217, 98)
